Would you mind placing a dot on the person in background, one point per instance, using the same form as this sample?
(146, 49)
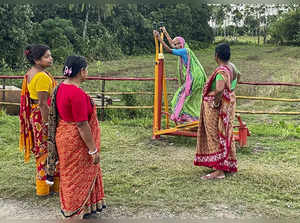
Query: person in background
(74, 141)
(34, 108)
(191, 77)
(215, 143)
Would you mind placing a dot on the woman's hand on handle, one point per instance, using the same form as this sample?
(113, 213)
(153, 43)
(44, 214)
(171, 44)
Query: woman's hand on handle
(163, 29)
(155, 33)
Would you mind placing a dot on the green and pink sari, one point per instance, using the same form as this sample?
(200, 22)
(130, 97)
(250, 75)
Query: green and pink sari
(186, 102)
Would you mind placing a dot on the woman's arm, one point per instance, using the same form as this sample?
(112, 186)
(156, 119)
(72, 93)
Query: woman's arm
(236, 72)
(156, 33)
(43, 98)
(86, 134)
(238, 77)
(167, 36)
(220, 85)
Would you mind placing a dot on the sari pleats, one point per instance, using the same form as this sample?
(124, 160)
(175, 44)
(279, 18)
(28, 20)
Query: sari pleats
(215, 144)
(81, 187)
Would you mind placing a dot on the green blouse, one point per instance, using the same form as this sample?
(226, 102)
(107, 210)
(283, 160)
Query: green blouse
(220, 77)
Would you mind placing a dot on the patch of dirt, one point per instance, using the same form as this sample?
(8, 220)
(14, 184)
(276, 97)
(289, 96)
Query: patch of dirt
(17, 210)
(12, 209)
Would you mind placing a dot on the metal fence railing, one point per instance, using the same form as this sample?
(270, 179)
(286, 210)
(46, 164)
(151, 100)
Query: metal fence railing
(105, 79)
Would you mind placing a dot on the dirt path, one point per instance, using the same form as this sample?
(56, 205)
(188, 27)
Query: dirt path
(12, 209)
(17, 210)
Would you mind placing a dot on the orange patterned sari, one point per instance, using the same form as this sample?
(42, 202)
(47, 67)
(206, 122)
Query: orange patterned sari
(81, 188)
(215, 144)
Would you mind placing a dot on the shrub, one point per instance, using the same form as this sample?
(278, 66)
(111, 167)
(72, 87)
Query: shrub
(59, 34)
(287, 29)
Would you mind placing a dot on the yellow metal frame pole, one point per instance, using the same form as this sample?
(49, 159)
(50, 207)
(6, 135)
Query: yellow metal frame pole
(155, 107)
(165, 89)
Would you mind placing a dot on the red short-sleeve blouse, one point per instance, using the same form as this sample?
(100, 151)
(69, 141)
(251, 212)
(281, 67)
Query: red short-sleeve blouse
(73, 104)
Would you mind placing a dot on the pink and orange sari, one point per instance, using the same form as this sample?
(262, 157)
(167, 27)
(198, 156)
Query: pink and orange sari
(215, 144)
(81, 188)
(33, 138)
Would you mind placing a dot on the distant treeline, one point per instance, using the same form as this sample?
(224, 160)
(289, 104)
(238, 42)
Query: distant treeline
(96, 31)
(108, 31)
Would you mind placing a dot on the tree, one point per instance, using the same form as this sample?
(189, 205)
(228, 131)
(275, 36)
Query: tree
(220, 17)
(237, 17)
(287, 28)
(227, 11)
(98, 31)
(16, 29)
(59, 34)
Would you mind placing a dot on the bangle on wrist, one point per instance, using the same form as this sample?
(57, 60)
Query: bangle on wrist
(94, 152)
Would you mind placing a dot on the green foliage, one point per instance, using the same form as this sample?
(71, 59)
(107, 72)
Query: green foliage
(130, 100)
(188, 21)
(100, 44)
(251, 24)
(59, 34)
(130, 27)
(15, 32)
(287, 28)
(99, 32)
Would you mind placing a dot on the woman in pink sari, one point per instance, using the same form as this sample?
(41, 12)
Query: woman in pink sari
(215, 144)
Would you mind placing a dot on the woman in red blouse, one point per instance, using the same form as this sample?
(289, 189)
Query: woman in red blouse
(74, 141)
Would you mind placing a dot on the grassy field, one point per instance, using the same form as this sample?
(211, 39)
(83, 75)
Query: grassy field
(243, 39)
(141, 174)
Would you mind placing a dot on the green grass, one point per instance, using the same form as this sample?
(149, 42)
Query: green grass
(140, 173)
(143, 174)
(242, 39)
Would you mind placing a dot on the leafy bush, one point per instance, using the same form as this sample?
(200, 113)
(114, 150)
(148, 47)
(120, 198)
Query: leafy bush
(101, 44)
(287, 28)
(15, 32)
(59, 34)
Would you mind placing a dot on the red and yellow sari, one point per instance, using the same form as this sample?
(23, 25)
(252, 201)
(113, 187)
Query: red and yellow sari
(33, 138)
(215, 144)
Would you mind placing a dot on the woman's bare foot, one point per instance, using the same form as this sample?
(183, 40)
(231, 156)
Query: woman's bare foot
(218, 174)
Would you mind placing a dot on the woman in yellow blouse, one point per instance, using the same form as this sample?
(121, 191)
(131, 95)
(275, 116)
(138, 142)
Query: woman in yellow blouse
(34, 108)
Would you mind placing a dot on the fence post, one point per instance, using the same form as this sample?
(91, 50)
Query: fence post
(3, 87)
(102, 101)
